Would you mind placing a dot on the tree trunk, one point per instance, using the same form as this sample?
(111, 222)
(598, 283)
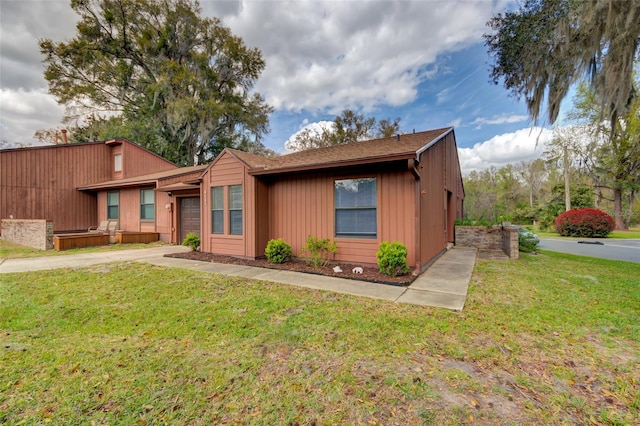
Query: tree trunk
(617, 208)
(567, 189)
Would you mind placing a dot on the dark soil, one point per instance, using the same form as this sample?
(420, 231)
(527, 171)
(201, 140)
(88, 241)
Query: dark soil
(369, 274)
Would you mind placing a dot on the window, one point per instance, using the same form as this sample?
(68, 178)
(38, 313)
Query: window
(235, 210)
(113, 205)
(355, 204)
(117, 163)
(217, 210)
(147, 204)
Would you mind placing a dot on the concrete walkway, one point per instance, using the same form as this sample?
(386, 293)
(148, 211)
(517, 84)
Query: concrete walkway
(443, 285)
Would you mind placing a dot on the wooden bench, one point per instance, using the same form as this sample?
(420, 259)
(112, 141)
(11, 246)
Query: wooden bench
(130, 237)
(71, 241)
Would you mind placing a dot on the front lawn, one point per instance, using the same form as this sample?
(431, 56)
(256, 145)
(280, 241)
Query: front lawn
(10, 250)
(548, 339)
(631, 234)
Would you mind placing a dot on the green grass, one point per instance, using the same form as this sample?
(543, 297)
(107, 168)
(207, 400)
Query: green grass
(10, 250)
(631, 234)
(548, 339)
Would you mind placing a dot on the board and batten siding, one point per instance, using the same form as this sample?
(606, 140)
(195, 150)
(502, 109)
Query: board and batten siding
(138, 161)
(225, 171)
(304, 205)
(440, 197)
(41, 182)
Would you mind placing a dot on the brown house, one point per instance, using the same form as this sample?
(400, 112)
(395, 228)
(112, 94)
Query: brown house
(78, 185)
(406, 188)
(41, 182)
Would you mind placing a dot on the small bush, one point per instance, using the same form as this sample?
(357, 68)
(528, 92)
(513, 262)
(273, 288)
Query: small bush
(527, 242)
(278, 251)
(317, 251)
(392, 258)
(192, 240)
(589, 223)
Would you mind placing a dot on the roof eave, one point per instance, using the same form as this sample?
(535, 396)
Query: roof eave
(115, 185)
(432, 142)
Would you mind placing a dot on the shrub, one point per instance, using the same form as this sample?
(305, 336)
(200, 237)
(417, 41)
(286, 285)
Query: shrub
(527, 242)
(584, 223)
(278, 251)
(317, 251)
(392, 258)
(192, 240)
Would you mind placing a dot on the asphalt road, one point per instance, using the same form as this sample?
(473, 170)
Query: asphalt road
(627, 250)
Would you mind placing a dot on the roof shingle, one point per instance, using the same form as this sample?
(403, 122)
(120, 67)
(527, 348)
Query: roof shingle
(405, 145)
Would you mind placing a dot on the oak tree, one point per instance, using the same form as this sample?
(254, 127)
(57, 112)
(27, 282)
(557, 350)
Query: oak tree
(545, 46)
(158, 72)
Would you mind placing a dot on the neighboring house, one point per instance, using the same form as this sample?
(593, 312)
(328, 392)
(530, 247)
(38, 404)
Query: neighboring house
(146, 203)
(406, 188)
(78, 185)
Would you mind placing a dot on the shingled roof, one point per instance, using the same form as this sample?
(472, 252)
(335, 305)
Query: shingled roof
(371, 151)
(144, 179)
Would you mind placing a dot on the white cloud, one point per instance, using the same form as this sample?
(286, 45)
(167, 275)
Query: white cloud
(24, 112)
(328, 56)
(455, 122)
(315, 128)
(500, 119)
(508, 148)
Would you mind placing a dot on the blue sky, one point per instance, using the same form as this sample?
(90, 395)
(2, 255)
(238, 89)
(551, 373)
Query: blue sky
(459, 94)
(422, 61)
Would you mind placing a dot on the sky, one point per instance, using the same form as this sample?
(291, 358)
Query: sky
(422, 61)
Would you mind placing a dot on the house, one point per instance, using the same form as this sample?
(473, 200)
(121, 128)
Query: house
(406, 188)
(77, 186)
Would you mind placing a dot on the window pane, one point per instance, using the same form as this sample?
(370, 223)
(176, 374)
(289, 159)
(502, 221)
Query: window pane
(235, 197)
(235, 222)
(147, 196)
(112, 212)
(117, 162)
(356, 192)
(112, 198)
(356, 222)
(217, 198)
(217, 224)
(147, 211)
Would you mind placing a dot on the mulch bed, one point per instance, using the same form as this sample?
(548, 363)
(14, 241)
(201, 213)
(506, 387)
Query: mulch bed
(369, 274)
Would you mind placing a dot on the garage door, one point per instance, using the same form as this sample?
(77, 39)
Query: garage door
(189, 216)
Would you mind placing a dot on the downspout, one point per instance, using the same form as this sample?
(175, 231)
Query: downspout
(412, 166)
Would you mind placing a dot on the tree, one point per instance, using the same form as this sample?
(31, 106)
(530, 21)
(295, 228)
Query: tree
(533, 173)
(548, 45)
(614, 160)
(159, 73)
(346, 127)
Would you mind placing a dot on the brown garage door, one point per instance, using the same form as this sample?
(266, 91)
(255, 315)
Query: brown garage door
(189, 216)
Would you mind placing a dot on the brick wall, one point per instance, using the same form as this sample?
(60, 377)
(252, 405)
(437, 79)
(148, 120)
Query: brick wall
(510, 242)
(36, 233)
(489, 238)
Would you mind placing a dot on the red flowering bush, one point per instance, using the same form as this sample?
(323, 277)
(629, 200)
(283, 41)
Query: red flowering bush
(584, 223)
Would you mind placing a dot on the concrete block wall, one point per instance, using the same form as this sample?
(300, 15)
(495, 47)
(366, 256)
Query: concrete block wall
(36, 233)
(496, 237)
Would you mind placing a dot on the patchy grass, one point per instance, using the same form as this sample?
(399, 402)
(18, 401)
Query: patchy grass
(10, 250)
(548, 339)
